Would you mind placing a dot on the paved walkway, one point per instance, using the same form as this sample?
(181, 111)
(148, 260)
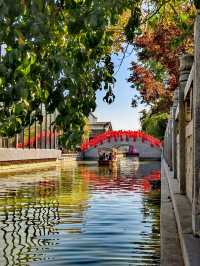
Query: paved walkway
(183, 213)
(170, 246)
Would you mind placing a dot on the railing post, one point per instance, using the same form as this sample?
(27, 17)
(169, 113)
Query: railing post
(196, 131)
(166, 143)
(170, 140)
(174, 134)
(186, 62)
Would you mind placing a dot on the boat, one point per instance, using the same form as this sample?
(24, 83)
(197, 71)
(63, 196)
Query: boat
(136, 154)
(132, 152)
(107, 162)
(103, 162)
(107, 157)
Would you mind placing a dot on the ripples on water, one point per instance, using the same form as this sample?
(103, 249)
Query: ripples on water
(81, 216)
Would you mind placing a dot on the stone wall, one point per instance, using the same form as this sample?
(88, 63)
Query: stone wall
(14, 155)
(182, 137)
(181, 159)
(188, 161)
(177, 166)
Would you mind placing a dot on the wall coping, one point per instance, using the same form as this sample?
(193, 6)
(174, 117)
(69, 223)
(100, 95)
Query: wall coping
(19, 154)
(189, 82)
(177, 112)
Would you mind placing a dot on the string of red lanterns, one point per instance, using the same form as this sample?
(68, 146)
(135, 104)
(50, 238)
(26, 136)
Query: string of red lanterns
(120, 135)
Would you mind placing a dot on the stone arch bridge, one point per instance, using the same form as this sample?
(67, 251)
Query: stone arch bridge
(145, 145)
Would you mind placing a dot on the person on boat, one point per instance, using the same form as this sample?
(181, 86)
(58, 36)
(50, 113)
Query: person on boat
(104, 156)
(114, 156)
(107, 157)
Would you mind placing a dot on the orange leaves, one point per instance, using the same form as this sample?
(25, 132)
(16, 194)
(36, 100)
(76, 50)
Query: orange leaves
(159, 44)
(149, 88)
(162, 45)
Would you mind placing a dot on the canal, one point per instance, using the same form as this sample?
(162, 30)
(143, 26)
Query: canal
(81, 215)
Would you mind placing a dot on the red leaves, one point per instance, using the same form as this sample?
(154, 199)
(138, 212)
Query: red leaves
(159, 47)
(161, 44)
(150, 89)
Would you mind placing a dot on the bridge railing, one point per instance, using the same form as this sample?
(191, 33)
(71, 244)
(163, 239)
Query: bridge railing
(182, 136)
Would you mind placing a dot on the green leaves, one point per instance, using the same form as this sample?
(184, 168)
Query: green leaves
(154, 124)
(133, 24)
(93, 39)
(51, 47)
(197, 4)
(75, 27)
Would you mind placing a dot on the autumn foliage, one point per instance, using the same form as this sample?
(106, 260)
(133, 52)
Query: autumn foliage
(150, 89)
(155, 75)
(162, 38)
(160, 45)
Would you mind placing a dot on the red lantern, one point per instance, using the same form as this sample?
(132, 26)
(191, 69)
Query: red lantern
(116, 135)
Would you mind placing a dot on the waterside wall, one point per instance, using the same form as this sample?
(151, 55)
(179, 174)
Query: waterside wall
(181, 155)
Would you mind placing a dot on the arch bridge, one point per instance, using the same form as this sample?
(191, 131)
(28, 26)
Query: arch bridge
(145, 145)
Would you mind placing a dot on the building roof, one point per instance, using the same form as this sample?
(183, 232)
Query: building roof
(91, 115)
(101, 123)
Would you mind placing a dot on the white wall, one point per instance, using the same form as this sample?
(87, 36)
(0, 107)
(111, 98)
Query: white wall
(12, 154)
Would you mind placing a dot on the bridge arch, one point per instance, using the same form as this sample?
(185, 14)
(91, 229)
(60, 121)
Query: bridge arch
(146, 145)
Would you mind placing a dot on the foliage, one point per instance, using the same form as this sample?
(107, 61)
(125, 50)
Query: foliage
(55, 53)
(86, 130)
(144, 80)
(197, 4)
(154, 124)
(156, 74)
(165, 36)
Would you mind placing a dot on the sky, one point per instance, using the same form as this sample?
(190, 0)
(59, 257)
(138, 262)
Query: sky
(120, 113)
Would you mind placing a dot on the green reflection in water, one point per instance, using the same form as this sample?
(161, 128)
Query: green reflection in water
(78, 215)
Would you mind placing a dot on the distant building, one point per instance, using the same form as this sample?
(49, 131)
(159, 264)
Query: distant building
(92, 118)
(96, 127)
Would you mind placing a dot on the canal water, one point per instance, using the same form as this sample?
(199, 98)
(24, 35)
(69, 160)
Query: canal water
(81, 215)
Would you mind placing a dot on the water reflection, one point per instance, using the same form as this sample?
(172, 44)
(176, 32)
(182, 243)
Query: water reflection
(81, 215)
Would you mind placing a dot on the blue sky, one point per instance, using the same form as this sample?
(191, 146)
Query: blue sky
(120, 113)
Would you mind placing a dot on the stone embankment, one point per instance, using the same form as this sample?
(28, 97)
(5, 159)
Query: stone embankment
(26, 160)
(71, 156)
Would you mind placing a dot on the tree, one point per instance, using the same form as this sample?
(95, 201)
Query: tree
(154, 124)
(86, 130)
(155, 75)
(55, 53)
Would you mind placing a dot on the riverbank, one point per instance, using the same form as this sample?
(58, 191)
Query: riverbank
(182, 211)
(18, 166)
